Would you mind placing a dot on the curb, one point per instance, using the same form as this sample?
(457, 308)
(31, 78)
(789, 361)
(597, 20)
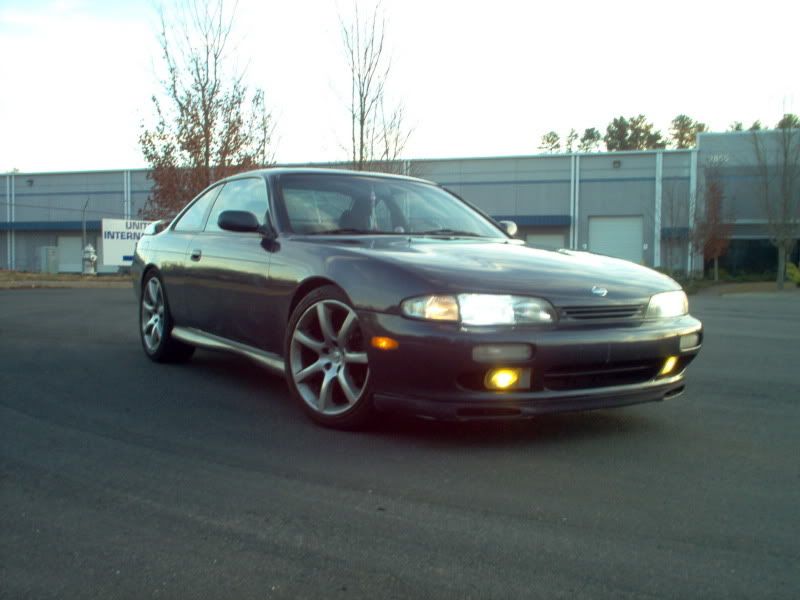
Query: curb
(28, 285)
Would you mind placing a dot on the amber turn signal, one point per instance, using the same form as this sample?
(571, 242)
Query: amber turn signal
(384, 343)
(669, 366)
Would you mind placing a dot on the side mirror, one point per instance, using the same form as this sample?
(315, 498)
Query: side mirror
(155, 227)
(509, 227)
(238, 220)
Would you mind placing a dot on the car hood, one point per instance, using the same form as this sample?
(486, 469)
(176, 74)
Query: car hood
(564, 277)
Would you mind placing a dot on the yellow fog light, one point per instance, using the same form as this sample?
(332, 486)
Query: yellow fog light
(669, 365)
(502, 379)
(384, 343)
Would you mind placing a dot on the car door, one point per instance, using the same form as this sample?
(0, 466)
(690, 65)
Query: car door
(229, 271)
(173, 256)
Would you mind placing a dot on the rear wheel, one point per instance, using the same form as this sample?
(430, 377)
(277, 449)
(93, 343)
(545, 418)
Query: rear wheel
(326, 360)
(155, 324)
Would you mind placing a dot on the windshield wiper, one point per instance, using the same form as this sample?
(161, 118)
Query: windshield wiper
(445, 231)
(348, 230)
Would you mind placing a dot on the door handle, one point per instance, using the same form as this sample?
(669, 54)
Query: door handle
(196, 254)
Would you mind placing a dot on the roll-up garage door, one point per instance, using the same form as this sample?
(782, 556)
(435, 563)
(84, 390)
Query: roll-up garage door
(617, 236)
(546, 240)
(70, 254)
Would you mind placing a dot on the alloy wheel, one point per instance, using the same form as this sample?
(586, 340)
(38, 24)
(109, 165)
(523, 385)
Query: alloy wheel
(328, 358)
(152, 322)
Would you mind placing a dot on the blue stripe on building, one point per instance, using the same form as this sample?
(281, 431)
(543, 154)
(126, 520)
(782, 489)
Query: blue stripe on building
(49, 226)
(675, 233)
(564, 181)
(85, 193)
(536, 220)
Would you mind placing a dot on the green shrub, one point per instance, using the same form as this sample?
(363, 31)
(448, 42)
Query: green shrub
(793, 273)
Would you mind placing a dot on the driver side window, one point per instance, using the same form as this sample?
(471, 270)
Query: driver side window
(241, 194)
(192, 219)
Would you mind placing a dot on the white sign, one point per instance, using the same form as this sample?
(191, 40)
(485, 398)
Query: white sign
(119, 240)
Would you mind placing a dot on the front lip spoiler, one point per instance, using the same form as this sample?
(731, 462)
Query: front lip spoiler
(506, 406)
(467, 406)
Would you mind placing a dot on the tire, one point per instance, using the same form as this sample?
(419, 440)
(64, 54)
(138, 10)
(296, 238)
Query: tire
(327, 368)
(155, 324)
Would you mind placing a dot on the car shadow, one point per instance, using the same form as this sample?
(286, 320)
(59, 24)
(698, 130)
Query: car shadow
(258, 391)
(540, 430)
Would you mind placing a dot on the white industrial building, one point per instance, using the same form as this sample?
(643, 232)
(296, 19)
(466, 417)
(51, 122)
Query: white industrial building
(639, 205)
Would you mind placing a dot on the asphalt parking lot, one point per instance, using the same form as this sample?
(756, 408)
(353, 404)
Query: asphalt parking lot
(120, 478)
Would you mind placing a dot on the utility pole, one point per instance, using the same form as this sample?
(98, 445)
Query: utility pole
(83, 223)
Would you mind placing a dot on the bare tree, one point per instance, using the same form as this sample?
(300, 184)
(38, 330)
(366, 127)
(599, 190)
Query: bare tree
(208, 123)
(777, 154)
(378, 130)
(569, 142)
(674, 218)
(712, 233)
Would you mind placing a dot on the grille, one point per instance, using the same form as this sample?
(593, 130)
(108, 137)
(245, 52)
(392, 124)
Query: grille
(608, 312)
(570, 378)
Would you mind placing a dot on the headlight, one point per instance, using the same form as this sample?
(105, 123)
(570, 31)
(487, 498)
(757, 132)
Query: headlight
(433, 308)
(488, 309)
(668, 304)
(481, 309)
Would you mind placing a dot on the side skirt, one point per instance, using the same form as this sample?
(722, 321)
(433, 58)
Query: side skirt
(201, 339)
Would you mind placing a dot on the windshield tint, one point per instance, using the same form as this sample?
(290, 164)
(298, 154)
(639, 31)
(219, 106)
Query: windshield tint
(321, 203)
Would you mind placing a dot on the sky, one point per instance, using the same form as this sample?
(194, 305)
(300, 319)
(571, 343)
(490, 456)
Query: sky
(476, 78)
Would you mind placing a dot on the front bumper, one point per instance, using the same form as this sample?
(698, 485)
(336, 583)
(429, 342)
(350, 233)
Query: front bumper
(432, 373)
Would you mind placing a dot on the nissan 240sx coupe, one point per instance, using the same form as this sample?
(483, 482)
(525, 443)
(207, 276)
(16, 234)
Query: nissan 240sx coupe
(383, 293)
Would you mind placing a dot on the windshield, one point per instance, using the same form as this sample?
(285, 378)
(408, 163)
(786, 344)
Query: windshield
(333, 204)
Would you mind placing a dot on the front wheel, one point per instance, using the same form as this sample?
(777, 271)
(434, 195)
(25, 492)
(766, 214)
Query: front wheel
(155, 324)
(326, 360)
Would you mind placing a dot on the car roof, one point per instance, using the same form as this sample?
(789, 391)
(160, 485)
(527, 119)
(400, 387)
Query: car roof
(277, 171)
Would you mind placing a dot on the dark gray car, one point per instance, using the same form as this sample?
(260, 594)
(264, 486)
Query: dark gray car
(375, 292)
